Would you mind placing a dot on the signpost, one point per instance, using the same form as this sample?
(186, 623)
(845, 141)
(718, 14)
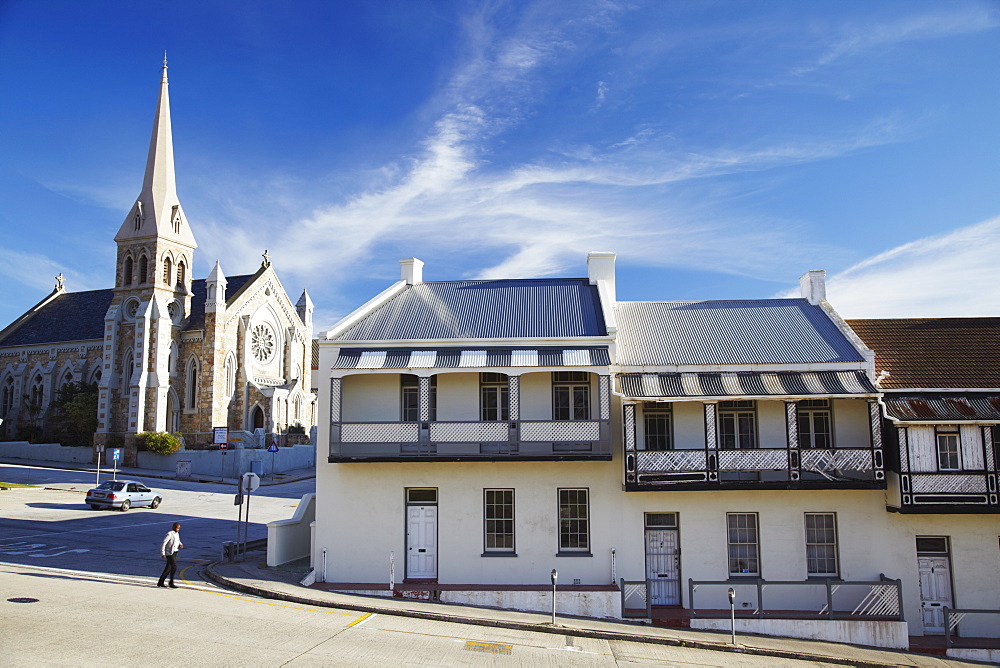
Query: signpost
(116, 454)
(222, 440)
(273, 449)
(247, 484)
(100, 449)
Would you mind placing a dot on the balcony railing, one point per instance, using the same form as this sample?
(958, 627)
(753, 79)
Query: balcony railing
(880, 599)
(763, 464)
(485, 439)
(949, 488)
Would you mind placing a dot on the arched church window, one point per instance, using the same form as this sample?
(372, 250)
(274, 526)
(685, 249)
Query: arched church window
(95, 377)
(172, 359)
(191, 385)
(257, 418)
(37, 392)
(230, 375)
(128, 368)
(127, 273)
(138, 220)
(7, 397)
(180, 273)
(66, 379)
(168, 270)
(143, 269)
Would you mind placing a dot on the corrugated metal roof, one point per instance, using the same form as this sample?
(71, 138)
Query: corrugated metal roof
(760, 331)
(746, 384)
(943, 409)
(548, 308)
(79, 316)
(934, 352)
(424, 358)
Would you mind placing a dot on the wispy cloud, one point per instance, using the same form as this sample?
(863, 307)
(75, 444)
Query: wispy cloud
(951, 275)
(857, 40)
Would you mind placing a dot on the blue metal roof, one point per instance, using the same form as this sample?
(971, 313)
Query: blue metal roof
(549, 308)
(79, 316)
(759, 331)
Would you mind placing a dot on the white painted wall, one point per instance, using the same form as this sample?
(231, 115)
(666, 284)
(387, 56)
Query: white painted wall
(851, 427)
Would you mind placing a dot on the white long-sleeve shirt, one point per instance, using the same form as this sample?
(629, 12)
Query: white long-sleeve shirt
(171, 543)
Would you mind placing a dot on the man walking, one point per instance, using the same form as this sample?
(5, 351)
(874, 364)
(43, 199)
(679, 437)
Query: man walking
(168, 551)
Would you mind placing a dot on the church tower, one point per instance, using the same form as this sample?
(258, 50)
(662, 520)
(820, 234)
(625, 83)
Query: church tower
(152, 295)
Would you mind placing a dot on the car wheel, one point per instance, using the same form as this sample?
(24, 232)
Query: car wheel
(126, 505)
(155, 502)
(95, 506)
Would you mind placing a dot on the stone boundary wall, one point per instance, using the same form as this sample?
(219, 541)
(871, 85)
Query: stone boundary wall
(46, 452)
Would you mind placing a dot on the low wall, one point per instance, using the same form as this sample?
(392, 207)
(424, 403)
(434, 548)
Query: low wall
(46, 452)
(291, 539)
(232, 463)
(597, 604)
(874, 634)
(970, 654)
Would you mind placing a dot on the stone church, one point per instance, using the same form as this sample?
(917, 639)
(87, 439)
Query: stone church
(167, 352)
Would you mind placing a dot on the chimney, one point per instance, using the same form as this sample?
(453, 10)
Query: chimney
(412, 271)
(601, 267)
(813, 286)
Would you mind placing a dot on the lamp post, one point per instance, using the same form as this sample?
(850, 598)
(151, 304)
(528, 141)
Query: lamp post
(554, 575)
(732, 613)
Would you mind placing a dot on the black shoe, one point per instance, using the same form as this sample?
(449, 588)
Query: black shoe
(160, 584)
(173, 586)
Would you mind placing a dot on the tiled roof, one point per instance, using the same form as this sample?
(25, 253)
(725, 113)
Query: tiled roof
(427, 358)
(759, 331)
(71, 316)
(79, 316)
(934, 352)
(746, 384)
(504, 309)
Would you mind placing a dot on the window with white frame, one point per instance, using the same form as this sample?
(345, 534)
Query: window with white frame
(230, 375)
(570, 395)
(498, 518)
(821, 545)
(574, 520)
(409, 400)
(744, 544)
(494, 396)
(948, 445)
(658, 427)
(815, 424)
(738, 425)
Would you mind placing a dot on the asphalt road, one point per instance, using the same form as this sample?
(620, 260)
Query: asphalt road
(74, 618)
(52, 526)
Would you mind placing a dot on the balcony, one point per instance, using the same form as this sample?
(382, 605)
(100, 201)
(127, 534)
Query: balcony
(464, 441)
(763, 468)
(949, 491)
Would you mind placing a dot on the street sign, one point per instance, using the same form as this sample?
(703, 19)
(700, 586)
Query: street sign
(250, 483)
(221, 435)
(100, 447)
(223, 446)
(273, 447)
(116, 454)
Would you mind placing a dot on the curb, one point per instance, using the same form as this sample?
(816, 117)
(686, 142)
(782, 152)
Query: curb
(223, 581)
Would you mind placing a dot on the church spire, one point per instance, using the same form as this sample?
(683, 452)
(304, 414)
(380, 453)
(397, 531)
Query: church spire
(157, 211)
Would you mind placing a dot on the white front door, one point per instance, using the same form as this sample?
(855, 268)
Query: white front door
(663, 566)
(421, 542)
(935, 591)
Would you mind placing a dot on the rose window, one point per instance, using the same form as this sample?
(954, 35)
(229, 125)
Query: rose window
(262, 343)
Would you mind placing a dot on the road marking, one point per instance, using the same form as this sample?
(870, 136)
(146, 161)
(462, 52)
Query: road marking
(488, 647)
(29, 548)
(127, 526)
(361, 620)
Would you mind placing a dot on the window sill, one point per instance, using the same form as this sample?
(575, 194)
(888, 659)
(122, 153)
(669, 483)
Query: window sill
(498, 554)
(736, 577)
(574, 554)
(824, 578)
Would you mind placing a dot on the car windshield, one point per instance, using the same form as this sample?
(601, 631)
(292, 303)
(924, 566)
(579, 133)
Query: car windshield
(112, 485)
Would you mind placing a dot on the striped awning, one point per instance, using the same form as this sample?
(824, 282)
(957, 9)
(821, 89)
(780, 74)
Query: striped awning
(956, 408)
(436, 358)
(745, 384)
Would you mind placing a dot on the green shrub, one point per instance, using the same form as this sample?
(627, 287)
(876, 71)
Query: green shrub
(160, 442)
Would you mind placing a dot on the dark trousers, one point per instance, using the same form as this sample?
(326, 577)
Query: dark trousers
(169, 568)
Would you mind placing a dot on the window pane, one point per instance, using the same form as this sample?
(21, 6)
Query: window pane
(499, 519)
(743, 559)
(581, 403)
(574, 522)
(657, 430)
(821, 544)
(560, 402)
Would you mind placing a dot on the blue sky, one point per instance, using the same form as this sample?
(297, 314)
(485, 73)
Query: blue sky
(720, 148)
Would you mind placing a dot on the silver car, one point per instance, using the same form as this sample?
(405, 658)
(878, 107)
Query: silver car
(122, 494)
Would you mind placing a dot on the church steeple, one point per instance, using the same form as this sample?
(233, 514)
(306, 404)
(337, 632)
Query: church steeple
(157, 211)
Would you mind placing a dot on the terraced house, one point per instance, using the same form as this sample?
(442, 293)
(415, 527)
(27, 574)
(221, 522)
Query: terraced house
(480, 434)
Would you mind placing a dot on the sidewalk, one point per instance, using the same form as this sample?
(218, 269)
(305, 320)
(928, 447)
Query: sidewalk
(133, 472)
(254, 577)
